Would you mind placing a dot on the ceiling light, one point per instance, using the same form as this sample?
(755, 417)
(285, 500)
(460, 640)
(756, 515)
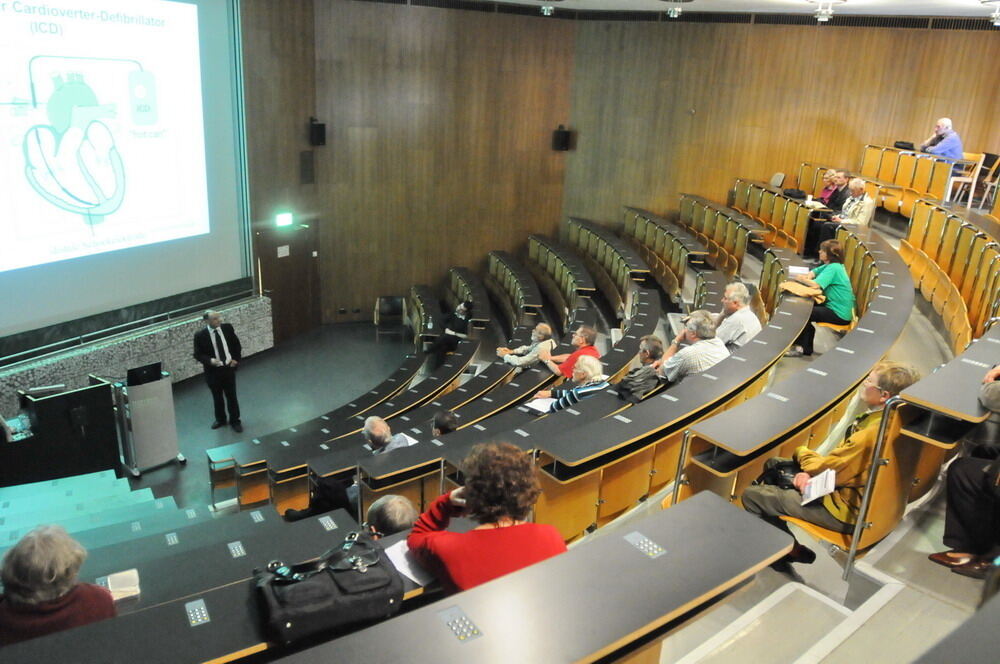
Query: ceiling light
(995, 16)
(824, 9)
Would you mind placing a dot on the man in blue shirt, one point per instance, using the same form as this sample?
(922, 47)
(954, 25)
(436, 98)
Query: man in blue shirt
(944, 141)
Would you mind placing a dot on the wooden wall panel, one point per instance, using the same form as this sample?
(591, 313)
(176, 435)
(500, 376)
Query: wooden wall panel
(279, 90)
(439, 129)
(668, 108)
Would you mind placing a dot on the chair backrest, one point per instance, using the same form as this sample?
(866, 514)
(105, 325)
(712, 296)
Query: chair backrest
(777, 180)
(871, 160)
(892, 482)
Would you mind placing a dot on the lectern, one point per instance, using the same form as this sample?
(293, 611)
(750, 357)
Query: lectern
(147, 427)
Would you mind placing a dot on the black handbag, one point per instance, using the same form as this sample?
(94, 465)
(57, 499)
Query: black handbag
(350, 585)
(780, 474)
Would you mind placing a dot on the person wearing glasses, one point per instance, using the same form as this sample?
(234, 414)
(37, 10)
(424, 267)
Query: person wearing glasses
(850, 460)
(562, 365)
(737, 324)
(500, 489)
(41, 592)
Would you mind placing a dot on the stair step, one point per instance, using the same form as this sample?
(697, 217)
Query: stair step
(899, 631)
(49, 513)
(38, 488)
(751, 637)
(124, 514)
(64, 496)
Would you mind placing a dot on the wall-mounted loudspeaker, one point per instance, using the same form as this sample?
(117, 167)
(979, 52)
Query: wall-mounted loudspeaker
(317, 132)
(562, 139)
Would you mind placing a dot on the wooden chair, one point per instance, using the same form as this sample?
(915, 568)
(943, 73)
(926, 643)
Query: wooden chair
(871, 161)
(895, 459)
(968, 178)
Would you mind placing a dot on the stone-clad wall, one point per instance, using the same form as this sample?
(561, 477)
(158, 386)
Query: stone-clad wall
(170, 343)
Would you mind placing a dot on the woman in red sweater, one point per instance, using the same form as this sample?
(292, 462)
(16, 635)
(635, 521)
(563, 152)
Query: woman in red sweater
(41, 593)
(500, 489)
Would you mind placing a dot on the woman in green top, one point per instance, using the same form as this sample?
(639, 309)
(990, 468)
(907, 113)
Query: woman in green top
(838, 309)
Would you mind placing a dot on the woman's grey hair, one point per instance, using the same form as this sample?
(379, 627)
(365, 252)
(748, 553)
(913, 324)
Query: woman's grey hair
(42, 567)
(590, 367)
(391, 514)
(701, 323)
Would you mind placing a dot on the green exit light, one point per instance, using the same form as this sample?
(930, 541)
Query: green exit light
(283, 219)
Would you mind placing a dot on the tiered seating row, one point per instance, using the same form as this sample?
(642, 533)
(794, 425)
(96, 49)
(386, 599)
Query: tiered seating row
(724, 231)
(666, 248)
(943, 249)
(513, 288)
(424, 314)
(465, 286)
(906, 176)
(616, 267)
(561, 274)
(787, 219)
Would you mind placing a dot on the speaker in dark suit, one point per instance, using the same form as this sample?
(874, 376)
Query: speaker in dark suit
(218, 349)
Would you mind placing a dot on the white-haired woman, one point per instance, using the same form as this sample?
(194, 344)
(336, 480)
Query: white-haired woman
(41, 592)
(588, 374)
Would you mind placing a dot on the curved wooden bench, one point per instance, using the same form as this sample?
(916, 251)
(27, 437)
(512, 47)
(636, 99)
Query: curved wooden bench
(615, 265)
(463, 286)
(726, 232)
(786, 218)
(666, 247)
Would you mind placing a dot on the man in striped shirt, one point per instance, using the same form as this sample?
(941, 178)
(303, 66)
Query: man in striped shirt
(704, 351)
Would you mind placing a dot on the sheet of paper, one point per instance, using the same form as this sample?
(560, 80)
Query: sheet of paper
(410, 440)
(819, 486)
(124, 584)
(540, 405)
(406, 564)
(795, 270)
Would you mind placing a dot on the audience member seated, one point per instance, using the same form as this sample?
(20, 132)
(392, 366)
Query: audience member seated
(588, 374)
(841, 193)
(41, 594)
(944, 142)
(972, 519)
(737, 324)
(562, 365)
(850, 460)
(456, 328)
(858, 210)
(704, 351)
(527, 355)
(444, 423)
(500, 489)
(379, 436)
(331, 493)
(831, 278)
(828, 186)
(641, 380)
(817, 219)
(389, 515)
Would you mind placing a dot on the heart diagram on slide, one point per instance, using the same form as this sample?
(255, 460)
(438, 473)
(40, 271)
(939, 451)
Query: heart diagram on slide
(73, 161)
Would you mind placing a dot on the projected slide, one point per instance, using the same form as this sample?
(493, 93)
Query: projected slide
(102, 141)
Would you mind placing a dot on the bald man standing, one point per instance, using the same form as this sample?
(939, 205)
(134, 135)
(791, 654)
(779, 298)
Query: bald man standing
(218, 349)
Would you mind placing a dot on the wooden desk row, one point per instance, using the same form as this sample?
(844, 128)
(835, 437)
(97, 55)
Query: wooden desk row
(423, 313)
(155, 627)
(596, 602)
